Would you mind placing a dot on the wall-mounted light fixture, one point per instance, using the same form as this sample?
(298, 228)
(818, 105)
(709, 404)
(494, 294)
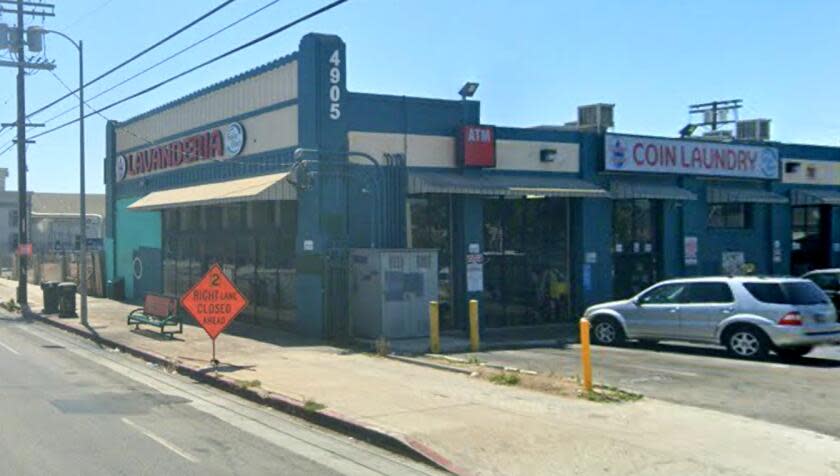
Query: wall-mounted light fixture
(548, 155)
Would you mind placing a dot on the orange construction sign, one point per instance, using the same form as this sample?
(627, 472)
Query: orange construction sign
(214, 301)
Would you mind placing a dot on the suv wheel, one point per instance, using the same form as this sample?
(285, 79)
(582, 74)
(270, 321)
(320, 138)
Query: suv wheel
(607, 332)
(793, 353)
(747, 343)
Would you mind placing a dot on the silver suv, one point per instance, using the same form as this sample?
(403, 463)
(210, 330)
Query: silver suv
(748, 315)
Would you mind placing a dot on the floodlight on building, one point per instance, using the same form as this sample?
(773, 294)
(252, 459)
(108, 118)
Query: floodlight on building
(468, 90)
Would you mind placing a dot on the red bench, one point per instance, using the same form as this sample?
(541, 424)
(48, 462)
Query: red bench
(159, 311)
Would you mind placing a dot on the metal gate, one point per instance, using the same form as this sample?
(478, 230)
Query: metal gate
(337, 296)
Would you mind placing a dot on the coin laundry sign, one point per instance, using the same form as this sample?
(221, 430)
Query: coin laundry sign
(643, 154)
(217, 143)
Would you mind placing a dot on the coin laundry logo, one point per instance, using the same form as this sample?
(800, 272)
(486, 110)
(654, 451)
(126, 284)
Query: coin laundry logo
(618, 153)
(769, 163)
(234, 138)
(121, 168)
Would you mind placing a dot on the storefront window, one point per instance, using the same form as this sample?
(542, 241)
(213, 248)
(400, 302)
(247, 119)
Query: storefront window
(258, 254)
(808, 246)
(429, 227)
(729, 215)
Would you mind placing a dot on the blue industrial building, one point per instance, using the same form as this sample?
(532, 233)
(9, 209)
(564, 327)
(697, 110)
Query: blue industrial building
(277, 173)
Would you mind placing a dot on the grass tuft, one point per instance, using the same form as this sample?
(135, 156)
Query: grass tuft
(505, 379)
(312, 406)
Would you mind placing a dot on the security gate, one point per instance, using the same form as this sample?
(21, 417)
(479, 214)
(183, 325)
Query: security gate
(336, 295)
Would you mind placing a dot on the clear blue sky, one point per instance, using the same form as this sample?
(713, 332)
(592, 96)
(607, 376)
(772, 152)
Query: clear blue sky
(536, 61)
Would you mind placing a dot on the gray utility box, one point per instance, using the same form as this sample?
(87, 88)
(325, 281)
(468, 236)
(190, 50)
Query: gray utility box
(390, 290)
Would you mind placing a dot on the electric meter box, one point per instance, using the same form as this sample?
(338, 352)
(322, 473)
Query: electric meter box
(390, 290)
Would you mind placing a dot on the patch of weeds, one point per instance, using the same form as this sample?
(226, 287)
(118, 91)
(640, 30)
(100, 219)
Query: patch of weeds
(311, 406)
(505, 379)
(383, 347)
(473, 360)
(169, 366)
(248, 383)
(10, 305)
(607, 394)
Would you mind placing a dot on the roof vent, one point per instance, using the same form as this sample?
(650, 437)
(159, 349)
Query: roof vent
(596, 116)
(753, 129)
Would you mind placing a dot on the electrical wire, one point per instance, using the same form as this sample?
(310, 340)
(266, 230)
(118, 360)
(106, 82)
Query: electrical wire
(86, 15)
(138, 55)
(168, 58)
(248, 44)
(241, 47)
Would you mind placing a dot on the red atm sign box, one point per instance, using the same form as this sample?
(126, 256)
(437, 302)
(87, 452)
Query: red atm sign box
(477, 146)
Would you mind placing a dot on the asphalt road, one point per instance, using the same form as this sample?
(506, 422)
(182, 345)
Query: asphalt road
(70, 407)
(804, 395)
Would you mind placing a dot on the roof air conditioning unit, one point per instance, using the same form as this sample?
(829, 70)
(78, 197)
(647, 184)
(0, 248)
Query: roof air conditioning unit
(754, 129)
(596, 116)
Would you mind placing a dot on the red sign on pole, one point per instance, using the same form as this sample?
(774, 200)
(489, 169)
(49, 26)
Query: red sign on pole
(24, 249)
(214, 302)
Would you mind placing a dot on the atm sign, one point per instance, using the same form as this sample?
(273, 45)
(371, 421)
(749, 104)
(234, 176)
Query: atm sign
(478, 146)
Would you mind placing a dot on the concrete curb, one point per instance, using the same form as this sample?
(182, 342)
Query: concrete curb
(331, 420)
(432, 365)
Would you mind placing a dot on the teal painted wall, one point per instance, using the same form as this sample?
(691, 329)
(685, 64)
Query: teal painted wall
(136, 229)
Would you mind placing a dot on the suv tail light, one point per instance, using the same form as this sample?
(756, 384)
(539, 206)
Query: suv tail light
(791, 319)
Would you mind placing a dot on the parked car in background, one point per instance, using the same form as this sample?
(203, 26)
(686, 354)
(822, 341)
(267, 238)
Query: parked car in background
(750, 316)
(829, 281)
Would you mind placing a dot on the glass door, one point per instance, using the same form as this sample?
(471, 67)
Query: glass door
(809, 240)
(526, 270)
(635, 246)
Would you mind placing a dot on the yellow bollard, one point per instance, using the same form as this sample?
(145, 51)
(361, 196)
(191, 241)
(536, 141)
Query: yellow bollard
(434, 327)
(585, 358)
(474, 325)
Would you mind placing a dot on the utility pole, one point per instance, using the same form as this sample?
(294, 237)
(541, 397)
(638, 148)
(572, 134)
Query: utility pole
(23, 216)
(18, 46)
(714, 114)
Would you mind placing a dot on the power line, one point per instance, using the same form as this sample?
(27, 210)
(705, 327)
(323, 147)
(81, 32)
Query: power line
(86, 15)
(199, 66)
(168, 58)
(148, 49)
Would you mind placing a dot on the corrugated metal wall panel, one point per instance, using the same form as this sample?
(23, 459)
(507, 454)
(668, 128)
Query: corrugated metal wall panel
(272, 87)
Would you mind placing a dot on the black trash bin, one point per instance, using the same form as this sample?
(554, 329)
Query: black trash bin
(115, 289)
(50, 289)
(67, 300)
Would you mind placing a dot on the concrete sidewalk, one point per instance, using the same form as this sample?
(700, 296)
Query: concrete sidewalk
(475, 427)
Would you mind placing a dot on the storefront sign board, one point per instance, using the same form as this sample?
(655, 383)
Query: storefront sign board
(475, 277)
(777, 251)
(478, 146)
(656, 155)
(690, 250)
(218, 143)
(810, 172)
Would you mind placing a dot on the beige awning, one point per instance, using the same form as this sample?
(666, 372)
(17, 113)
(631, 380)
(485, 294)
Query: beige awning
(500, 184)
(624, 189)
(815, 197)
(743, 195)
(263, 187)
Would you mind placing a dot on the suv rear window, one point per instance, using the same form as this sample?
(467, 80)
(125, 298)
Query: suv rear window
(787, 293)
